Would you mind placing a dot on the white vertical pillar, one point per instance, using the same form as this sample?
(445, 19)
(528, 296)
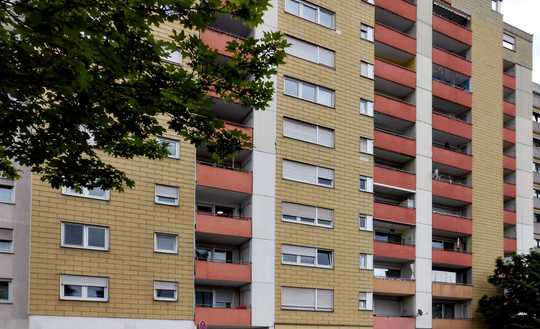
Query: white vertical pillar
(423, 162)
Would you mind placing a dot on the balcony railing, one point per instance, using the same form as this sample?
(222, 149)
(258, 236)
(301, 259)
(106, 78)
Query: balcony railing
(452, 61)
(451, 125)
(390, 322)
(509, 109)
(452, 191)
(209, 223)
(395, 73)
(396, 287)
(451, 93)
(218, 40)
(394, 177)
(509, 81)
(398, 7)
(455, 31)
(222, 272)
(453, 291)
(394, 250)
(214, 176)
(509, 162)
(395, 143)
(510, 245)
(452, 158)
(393, 38)
(395, 107)
(451, 257)
(394, 213)
(452, 324)
(223, 317)
(452, 223)
(510, 217)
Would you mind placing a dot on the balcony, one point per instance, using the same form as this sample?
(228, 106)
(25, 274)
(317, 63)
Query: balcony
(510, 245)
(390, 322)
(452, 158)
(448, 190)
(212, 176)
(395, 143)
(401, 42)
(509, 108)
(394, 251)
(223, 317)
(398, 214)
(210, 224)
(223, 273)
(510, 217)
(395, 108)
(449, 257)
(452, 126)
(218, 40)
(452, 94)
(395, 73)
(452, 324)
(394, 287)
(509, 163)
(395, 178)
(452, 62)
(398, 7)
(509, 136)
(452, 291)
(509, 191)
(452, 30)
(451, 223)
(509, 81)
(235, 126)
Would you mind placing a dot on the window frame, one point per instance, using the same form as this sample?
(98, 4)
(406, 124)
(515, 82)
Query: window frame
(9, 300)
(301, 5)
(367, 298)
(369, 145)
(299, 219)
(156, 199)
(165, 251)
(84, 289)
(85, 193)
(366, 261)
(11, 242)
(370, 70)
(367, 32)
(165, 299)
(369, 184)
(177, 146)
(85, 236)
(11, 186)
(316, 264)
(315, 307)
(317, 133)
(317, 49)
(507, 44)
(318, 88)
(316, 178)
(368, 220)
(369, 107)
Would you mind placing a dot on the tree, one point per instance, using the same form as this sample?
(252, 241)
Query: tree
(74, 70)
(518, 303)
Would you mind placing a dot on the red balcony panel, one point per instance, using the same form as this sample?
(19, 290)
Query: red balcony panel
(451, 223)
(451, 158)
(234, 126)
(452, 30)
(452, 126)
(445, 257)
(452, 324)
(397, 178)
(509, 190)
(217, 41)
(395, 73)
(398, 7)
(225, 179)
(219, 225)
(218, 271)
(452, 94)
(387, 322)
(395, 39)
(510, 245)
(393, 213)
(395, 143)
(509, 81)
(509, 135)
(395, 108)
(509, 163)
(452, 62)
(510, 217)
(394, 251)
(452, 191)
(509, 109)
(223, 317)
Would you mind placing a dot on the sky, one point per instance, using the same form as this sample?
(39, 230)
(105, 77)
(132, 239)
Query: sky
(525, 14)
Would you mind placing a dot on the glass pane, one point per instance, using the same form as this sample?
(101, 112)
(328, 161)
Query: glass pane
(291, 87)
(307, 220)
(96, 292)
(96, 237)
(326, 19)
(203, 254)
(166, 242)
(308, 92)
(4, 290)
(309, 13)
(171, 147)
(325, 222)
(72, 291)
(167, 200)
(324, 181)
(97, 192)
(324, 258)
(326, 97)
(326, 57)
(5, 194)
(164, 293)
(73, 234)
(204, 208)
(224, 211)
(288, 258)
(5, 246)
(292, 7)
(220, 256)
(204, 298)
(307, 260)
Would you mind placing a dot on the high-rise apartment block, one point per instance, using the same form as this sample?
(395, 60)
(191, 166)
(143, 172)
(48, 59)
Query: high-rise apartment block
(393, 166)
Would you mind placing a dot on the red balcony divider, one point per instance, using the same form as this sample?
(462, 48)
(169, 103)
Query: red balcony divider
(509, 81)
(452, 191)
(397, 178)
(398, 7)
(395, 108)
(393, 213)
(452, 126)
(225, 179)
(394, 251)
(509, 190)
(223, 317)
(509, 109)
(395, 143)
(510, 217)
(395, 39)
(452, 30)
(509, 163)
(395, 73)
(451, 223)
(445, 257)
(452, 62)
(509, 135)
(451, 158)
(220, 225)
(452, 94)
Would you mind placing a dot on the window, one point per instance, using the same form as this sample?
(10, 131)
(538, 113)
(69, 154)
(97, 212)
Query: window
(214, 298)
(166, 243)
(365, 222)
(366, 184)
(311, 13)
(309, 92)
(174, 57)
(84, 236)
(537, 218)
(310, 174)
(536, 193)
(536, 117)
(165, 291)
(537, 243)
(6, 240)
(365, 301)
(306, 256)
(94, 193)
(173, 147)
(366, 32)
(370, 1)
(536, 167)
(366, 145)
(536, 142)
(366, 261)
(5, 291)
(167, 195)
(509, 42)
(444, 276)
(366, 70)
(7, 191)
(366, 107)
(84, 288)
(496, 5)
(310, 52)
(297, 213)
(310, 299)
(308, 132)
(214, 255)
(444, 310)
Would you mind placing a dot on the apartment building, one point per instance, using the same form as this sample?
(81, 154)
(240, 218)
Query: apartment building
(391, 169)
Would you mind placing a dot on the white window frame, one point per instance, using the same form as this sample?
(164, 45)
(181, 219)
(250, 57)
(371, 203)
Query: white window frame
(366, 261)
(367, 299)
(85, 193)
(298, 219)
(314, 308)
(156, 195)
(9, 300)
(11, 242)
(317, 129)
(315, 264)
(369, 184)
(368, 220)
(367, 70)
(367, 32)
(165, 251)
(318, 88)
(84, 288)
(317, 176)
(163, 284)
(10, 185)
(315, 47)
(85, 236)
(366, 145)
(496, 5)
(165, 140)
(366, 107)
(506, 41)
(301, 5)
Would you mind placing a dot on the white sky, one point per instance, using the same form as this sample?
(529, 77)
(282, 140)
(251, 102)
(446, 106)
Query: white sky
(525, 14)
